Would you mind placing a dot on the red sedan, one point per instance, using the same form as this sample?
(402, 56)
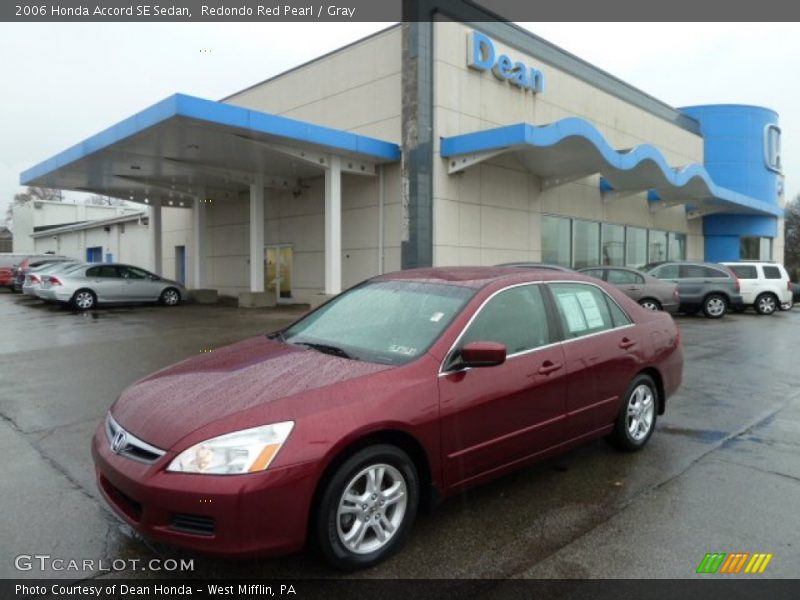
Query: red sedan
(401, 391)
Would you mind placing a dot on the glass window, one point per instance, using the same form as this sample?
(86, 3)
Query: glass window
(619, 317)
(103, 271)
(635, 246)
(745, 271)
(515, 318)
(385, 321)
(556, 241)
(621, 277)
(772, 147)
(667, 272)
(594, 273)
(772, 273)
(586, 243)
(612, 245)
(755, 248)
(583, 308)
(656, 246)
(134, 273)
(715, 273)
(677, 246)
(765, 249)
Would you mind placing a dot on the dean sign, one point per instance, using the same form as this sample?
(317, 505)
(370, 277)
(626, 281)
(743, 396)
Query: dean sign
(481, 55)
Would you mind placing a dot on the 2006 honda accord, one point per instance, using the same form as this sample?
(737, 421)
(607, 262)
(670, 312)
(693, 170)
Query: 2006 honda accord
(401, 391)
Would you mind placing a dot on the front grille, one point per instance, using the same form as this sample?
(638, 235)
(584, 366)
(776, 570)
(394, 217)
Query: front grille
(123, 502)
(129, 445)
(193, 524)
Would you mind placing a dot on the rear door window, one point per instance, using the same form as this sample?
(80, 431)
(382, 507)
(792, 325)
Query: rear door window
(772, 272)
(598, 273)
(745, 271)
(583, 309)
(103, 271)
(620, 277)
(668, 272)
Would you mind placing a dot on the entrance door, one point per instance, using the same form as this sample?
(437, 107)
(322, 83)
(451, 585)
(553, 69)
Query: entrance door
(278, 271)
(180, 264)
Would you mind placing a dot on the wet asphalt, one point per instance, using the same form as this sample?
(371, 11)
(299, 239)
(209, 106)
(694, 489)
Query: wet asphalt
(721, 473)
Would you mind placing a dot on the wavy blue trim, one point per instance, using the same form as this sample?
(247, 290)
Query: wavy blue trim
(217, 113)
(520, 135)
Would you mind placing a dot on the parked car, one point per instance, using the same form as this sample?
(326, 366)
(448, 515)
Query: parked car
(795, 293)
(31, 264)
(765, 285)
(405, 389)
(33, 280)
(105, 283)
(536, 265)
(8, 260)
(649, 292)
(710, 287)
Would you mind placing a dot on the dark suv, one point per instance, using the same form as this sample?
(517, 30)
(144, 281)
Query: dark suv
(709, 287)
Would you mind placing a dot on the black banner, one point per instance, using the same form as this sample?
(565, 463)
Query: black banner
(391, 10)
(404, 589)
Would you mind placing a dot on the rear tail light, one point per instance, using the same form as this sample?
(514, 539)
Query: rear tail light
(35, 279)
(55, 281)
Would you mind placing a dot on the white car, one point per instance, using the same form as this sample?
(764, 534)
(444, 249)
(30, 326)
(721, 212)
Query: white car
(764, 285)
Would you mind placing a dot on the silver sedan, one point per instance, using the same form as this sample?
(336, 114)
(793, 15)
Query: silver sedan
(33, 279)
(93, 284)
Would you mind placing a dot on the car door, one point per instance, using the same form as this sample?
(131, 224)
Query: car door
(602, 351)
(139, 285)
(494, 416)
(630, 283)
(106, 282)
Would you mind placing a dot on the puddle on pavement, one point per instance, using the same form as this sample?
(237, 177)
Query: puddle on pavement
(708, 436)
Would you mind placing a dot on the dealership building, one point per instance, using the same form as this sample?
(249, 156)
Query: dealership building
(456, 141)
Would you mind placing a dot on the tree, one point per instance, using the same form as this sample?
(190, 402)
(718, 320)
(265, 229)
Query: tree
(34, 192)
(792, 234)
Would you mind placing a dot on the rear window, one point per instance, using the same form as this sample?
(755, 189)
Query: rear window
(745, 271)
(621, 277)
(772, 273)
(667, 272)
(702, 272)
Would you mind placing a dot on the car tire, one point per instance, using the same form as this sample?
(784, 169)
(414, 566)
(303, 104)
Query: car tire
(650, 304)
(170, 297)
(715, 306)
(341, 511)
(766, 304)
(83, 300)
(637, 416)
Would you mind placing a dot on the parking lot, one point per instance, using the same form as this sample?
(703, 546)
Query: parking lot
(720, 475)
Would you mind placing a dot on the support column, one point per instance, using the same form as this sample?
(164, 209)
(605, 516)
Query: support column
(333, 227)
(198, 241)
(257, 235)
(155, 237)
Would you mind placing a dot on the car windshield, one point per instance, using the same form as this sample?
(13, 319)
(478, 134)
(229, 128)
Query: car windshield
(390, 322)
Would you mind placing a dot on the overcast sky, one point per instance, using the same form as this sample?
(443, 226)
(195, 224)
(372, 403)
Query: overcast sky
(64, 82)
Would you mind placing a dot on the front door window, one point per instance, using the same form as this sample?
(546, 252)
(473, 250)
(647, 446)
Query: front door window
(278, 271)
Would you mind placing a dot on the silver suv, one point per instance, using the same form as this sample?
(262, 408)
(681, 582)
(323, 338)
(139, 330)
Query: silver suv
(710, 287)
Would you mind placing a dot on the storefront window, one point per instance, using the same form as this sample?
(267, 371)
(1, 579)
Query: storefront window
(635, 247)
(756, 248)
(677, 246)
(586, 243)
(657, 246)
(556, 241)
(613, 245)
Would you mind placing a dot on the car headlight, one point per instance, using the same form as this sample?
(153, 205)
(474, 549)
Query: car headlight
(246, 451)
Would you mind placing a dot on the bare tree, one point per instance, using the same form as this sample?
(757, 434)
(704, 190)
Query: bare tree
(33, 192)
(792, 235)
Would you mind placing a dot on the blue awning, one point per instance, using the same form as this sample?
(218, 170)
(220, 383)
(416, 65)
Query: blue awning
(573, 148)
(183, 144)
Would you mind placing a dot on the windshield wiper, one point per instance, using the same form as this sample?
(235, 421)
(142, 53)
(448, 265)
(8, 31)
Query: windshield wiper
(327, 349)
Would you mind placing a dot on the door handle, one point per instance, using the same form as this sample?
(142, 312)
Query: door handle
(627, 343)
(549, 366)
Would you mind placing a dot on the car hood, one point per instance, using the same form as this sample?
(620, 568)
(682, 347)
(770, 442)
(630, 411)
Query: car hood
(170, 404)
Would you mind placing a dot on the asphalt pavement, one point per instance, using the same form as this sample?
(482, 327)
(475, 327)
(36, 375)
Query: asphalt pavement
(720, 474)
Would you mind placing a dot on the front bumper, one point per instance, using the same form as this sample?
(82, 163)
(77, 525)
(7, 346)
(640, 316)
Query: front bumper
(259, 514)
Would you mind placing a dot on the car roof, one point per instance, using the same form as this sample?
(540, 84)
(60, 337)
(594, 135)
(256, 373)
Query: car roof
(478, 277)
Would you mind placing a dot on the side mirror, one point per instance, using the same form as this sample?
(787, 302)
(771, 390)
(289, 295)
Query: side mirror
(483, 354)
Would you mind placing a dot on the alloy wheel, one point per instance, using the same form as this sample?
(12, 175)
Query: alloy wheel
(649, 305)
(171, 297)
(84, 300)
(372, 508)
(640, 411)
(766, 304)
(715, 307)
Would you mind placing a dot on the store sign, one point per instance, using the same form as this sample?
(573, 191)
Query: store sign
(482, 56)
